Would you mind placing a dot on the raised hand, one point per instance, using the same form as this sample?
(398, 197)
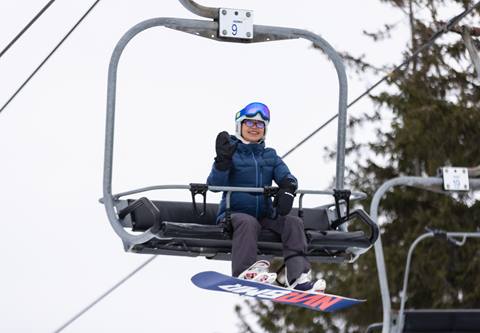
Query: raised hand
(224, 149)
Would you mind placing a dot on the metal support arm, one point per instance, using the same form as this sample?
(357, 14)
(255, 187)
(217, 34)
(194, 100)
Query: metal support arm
(471, 50)
(203, 11)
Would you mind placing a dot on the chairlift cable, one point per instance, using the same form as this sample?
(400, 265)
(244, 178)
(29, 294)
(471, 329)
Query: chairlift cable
(14, 40)
(445, 28)
(105, 294)
(49, 55)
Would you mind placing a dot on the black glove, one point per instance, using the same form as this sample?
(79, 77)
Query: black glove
(225, 150)
(284, 199)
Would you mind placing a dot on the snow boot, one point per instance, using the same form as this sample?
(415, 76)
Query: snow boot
(258, 272)
(305, 283)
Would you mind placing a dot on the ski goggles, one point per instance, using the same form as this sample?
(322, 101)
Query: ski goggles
(252, 110)
(251, 123)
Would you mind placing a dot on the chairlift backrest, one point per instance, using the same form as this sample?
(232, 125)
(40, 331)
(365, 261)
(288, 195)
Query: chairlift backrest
(183, 212)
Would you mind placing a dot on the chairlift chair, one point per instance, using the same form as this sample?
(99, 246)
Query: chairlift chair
(189, 228)
(436, 320)
(449, 180)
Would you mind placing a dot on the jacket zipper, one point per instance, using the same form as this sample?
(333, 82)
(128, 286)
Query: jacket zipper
(256, 183)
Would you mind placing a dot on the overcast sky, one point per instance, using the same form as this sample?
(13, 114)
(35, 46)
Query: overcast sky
(175, 93)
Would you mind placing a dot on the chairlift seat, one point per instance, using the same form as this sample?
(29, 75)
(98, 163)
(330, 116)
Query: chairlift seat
(184, 231)
(442, 321)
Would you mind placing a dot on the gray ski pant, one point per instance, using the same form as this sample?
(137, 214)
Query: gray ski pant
(246, 230)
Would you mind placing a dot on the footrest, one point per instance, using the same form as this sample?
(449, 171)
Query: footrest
(338, 238)
(192, 230)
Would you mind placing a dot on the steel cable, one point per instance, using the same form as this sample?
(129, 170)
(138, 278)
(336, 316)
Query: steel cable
(14, 40)
(105, 294)
(451, 23)
(49, 55)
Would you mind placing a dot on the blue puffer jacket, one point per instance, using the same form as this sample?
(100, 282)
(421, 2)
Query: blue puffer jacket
(253, 166)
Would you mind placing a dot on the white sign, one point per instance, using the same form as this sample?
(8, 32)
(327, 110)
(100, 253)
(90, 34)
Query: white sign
(235, 23)
(455, 179)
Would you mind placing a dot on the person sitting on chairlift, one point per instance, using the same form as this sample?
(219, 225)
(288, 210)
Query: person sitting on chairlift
(243, 161)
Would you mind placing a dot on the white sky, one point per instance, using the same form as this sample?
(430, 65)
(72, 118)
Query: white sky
(175, 93)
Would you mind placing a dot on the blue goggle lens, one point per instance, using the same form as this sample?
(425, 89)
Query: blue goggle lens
(251, 110)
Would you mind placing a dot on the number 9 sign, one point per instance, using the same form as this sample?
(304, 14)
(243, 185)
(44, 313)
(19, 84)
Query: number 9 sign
(235, 23)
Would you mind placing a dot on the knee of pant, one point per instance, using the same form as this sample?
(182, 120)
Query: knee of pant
(294, 222)
(250, 226)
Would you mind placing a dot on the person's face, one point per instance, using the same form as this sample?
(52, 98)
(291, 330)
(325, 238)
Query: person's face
(253, 130)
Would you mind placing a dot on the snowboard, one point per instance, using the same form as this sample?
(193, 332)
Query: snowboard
(314, 301)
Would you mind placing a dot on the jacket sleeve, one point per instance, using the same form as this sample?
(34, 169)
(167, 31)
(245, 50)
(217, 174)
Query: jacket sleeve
(217, 177)
(281, 171)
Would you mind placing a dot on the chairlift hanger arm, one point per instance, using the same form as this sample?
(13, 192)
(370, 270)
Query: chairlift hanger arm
(472, 50)
(208, 12)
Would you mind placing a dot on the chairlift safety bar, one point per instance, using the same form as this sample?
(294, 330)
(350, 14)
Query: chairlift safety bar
(355, 195)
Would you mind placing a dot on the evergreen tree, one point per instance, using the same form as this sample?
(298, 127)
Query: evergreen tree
(433, 120)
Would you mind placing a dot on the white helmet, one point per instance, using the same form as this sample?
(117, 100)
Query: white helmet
(257, 111)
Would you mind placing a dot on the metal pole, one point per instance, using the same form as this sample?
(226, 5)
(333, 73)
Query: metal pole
(203, 11)
(403, 294)
(472, 50)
